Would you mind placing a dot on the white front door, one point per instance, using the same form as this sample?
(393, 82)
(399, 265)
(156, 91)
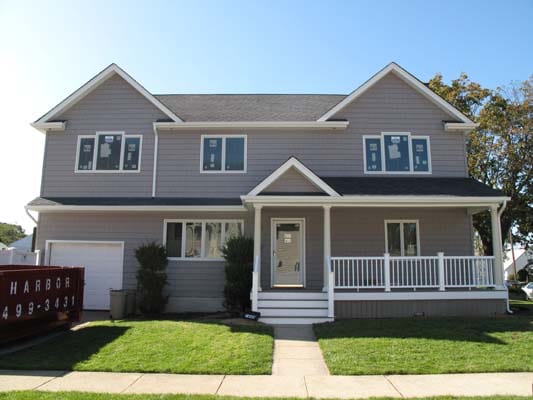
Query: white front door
(288, 252)
(103, 263)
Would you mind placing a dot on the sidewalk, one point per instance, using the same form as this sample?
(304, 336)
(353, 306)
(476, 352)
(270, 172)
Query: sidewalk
(273, 386)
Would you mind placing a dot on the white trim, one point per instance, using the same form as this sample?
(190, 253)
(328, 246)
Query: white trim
(333, 125)
(93, 84)
(421, 295)
(46, 127)
(95, 153)
(203, 222)
(383, 170)
(143, 208)
(406, 77)
(223, 154)
(302, 169)
(273, 222)
(376, 201)
(459, 126)
(402, 239)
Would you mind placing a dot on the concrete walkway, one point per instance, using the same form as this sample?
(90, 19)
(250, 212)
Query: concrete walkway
(272, 385)
(296, 352)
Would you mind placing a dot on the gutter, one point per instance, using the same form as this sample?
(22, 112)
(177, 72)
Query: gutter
(156, 148)
(333, 125)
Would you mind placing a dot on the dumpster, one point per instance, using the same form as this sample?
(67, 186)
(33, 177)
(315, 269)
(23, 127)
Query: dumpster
(34, 299)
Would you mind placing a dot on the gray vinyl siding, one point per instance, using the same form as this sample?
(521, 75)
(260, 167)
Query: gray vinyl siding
(391, 105)
(427, 308)
(189, 281)
(360, 232)
(113, 106)
(291, 182)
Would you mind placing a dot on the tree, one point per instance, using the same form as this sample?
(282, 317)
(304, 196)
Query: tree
(500, 150)
(10, 233)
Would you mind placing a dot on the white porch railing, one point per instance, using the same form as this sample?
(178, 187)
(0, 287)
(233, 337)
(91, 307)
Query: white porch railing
(432, 272)
(255, 284)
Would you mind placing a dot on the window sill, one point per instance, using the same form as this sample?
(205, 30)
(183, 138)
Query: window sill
(106, 172)
(222, 172)
(398, 172)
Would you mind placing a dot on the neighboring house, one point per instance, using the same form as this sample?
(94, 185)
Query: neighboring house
(23, 244)
(522, 258)
(360, 205)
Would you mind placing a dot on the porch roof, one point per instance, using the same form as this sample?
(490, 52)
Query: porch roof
(407, 186)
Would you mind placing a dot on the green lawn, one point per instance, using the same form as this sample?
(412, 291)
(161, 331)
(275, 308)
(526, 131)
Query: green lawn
(429, 346)
(522, 305)
(153, 346)
(101, 396)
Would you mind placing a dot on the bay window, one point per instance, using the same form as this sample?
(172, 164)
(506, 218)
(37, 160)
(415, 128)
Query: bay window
(199, 240)
(402, 238)
(397, 153)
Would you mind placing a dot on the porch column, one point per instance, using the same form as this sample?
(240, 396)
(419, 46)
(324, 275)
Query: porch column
(496, 245)
(257, 239)
(327, 244)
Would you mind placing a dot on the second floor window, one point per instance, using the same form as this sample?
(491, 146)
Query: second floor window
(397, 153)
(108, 152)
(223, 154)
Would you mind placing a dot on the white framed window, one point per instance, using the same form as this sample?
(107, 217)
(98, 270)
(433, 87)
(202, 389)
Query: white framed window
(108, 152)
(200, 240)
(402, 238)
(223, 154)
(396, 153)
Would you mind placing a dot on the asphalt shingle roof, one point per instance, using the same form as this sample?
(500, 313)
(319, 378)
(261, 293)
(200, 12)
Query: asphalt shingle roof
(249, 107)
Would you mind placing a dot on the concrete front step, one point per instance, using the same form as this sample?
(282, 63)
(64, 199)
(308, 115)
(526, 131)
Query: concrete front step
(293, 312)
(294, 320)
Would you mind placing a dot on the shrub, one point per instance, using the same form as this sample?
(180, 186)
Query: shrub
(239, 254)
(151, 277)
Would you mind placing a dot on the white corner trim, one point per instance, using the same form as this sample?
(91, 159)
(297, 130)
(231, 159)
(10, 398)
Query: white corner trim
(302, 169)
(459, 126)
(419, 295)
(333, 125)
(50, 126)
(97, 81)
(406, 77)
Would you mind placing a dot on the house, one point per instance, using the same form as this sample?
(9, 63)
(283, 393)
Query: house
(23, 244)
(522, 258)
(360, 205)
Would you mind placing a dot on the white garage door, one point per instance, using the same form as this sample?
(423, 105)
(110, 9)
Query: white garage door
(103, 267)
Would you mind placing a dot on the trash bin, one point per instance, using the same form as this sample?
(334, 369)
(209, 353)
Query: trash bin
(131, 302)
(117, 302)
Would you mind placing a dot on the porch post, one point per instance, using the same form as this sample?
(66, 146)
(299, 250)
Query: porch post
(327, 244)
(496, 245)
(257, 239)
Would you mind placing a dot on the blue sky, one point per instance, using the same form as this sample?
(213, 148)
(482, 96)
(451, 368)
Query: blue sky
(49, 48)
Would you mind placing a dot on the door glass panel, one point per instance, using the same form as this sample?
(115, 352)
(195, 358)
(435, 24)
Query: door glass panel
(393, 239)
(174, 233)
(409, 239)
(287, 254)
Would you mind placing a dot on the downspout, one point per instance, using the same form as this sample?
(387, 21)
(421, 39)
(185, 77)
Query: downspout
(31, 216)
(500, 213)
(156, 145)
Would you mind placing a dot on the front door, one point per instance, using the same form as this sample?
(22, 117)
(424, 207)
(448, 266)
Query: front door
(288, 261)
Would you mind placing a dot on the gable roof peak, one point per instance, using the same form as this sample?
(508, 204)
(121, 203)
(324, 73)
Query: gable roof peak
(93, 83)
(408, 78)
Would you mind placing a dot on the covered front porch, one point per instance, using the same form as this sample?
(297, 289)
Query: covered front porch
(400, 244)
